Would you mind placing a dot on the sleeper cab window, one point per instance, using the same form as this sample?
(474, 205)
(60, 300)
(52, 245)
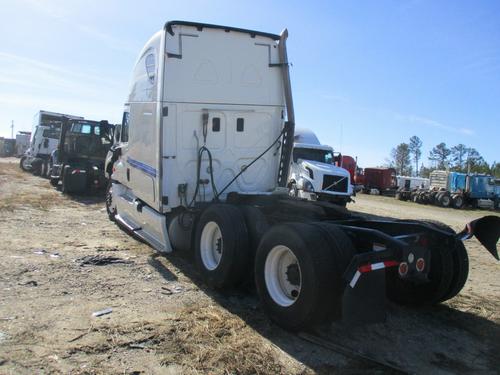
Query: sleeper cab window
(150, 62)
(216, 124)
(240, 124)
(125, 123)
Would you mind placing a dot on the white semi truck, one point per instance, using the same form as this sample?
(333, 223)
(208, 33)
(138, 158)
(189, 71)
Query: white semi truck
(44, 140)
(202, 166)
(313, 175)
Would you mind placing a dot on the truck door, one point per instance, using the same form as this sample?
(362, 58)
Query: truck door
(140, 155)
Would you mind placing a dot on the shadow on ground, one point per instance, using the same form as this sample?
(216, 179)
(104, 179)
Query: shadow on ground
(432, 339)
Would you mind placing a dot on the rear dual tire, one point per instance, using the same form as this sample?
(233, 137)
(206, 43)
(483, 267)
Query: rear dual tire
(298, 267)
(448, 273)
(444, 199)
(299, 287)
(458, 201)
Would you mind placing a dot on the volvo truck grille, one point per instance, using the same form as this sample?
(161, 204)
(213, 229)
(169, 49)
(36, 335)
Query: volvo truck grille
(335, 183)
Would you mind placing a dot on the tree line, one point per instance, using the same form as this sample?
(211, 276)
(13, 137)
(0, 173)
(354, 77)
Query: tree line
(406, 158)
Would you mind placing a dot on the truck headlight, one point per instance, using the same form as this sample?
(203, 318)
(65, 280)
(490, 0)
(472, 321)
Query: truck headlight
(311, 173)
(307, 186)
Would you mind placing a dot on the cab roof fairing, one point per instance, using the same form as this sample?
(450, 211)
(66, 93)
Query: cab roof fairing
(312, 146)
(200, 26)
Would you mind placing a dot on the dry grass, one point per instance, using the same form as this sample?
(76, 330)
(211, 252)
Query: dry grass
(28, 191)
(12, 171)
(212, 340)
(198, 340)
(24, 200)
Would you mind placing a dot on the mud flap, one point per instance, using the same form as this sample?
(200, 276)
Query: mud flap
(486, 230)
(365, 303)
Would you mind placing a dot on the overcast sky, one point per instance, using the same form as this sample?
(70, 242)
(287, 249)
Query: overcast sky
(366, 75)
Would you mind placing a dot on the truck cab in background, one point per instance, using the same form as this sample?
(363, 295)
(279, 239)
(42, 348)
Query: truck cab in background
(44, 140)
(313, 173)
(381, 181)
(78, 161)
(408, 185)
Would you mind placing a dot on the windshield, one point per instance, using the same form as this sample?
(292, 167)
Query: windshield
(87, 139)
(323, 156)
(52, 133)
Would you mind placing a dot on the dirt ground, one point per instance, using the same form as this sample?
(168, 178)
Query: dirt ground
(164, 320)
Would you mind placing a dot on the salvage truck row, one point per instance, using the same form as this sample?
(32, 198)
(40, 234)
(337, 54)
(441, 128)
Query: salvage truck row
(214, 166)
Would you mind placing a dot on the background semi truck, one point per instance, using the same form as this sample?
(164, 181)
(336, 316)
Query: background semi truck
(7, 147)
(44, 140)
(458, 190)
(407, 185)
(78, 160)
(202, 166)
(313, 173)
(380, 180)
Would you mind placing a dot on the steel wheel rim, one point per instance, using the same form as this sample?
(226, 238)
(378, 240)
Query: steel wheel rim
(25, 163)
(211, 245)
(279, 263)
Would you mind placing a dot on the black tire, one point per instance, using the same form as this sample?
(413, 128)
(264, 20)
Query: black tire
(257, 225)
(65, 176)
(323, 252)
(415, 198)
(44, 168)
(448, 273)
(432, 197)
(444, 199)
(36, 167)
(343, 251)
(109, 200)
(234, 261)
(292, 190)
(458, 201)
(22, 164)
(460, 263)
(54, 181)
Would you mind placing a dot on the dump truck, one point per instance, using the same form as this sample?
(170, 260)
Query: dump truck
(202, 167)
(78, 161)
(44, 139)
(313, 173)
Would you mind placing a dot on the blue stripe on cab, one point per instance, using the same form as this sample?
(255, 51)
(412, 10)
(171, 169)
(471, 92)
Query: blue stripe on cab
(142, 167)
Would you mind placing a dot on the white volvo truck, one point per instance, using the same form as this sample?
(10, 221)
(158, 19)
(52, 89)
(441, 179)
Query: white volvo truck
(44, 140)
(313, 174)
(202, 166)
